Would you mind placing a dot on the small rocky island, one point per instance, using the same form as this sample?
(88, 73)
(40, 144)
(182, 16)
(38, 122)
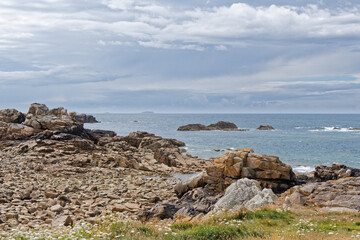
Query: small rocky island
(54, 172)
(265, 127)
(221, 125)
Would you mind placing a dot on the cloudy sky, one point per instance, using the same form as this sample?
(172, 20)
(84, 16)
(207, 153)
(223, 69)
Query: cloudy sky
(181, 56)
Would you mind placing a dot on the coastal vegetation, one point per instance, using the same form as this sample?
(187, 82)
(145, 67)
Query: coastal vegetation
(266, 223)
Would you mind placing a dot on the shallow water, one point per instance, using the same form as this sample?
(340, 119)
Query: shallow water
(300, 140)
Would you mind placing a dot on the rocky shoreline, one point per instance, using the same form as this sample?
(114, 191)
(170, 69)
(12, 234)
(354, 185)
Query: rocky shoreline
(54, 172)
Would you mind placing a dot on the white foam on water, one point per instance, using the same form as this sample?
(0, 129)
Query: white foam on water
(334, 129)
(303, 169)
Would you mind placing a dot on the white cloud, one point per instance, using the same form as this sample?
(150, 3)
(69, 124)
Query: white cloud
(259, 49)
(149, 22)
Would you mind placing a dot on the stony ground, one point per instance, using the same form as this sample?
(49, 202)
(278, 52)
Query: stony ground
(268, 223)
(34, 194)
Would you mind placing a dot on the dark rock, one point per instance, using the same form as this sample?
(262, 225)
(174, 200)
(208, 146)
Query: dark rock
(161, 210)
(11, 116)
(84, 118)
(193, 127)
(103, 133)
(336, 171)
(221, 125)
(266, 127)
(193, 203)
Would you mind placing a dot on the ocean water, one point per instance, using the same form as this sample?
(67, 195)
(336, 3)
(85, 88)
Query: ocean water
(300, 140)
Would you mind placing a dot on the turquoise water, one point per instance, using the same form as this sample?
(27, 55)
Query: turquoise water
(300, 140)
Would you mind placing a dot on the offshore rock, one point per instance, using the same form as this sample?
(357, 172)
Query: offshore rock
(221, 125)
(265, 127)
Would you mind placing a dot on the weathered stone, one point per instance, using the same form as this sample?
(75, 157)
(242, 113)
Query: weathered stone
(266, 127)
(62, 221)
(84, 118)
(11, 116)
(189, 183)
(221, 125)
(245, 193)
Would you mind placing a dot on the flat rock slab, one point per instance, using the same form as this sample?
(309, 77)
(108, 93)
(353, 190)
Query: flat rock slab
(333, 195)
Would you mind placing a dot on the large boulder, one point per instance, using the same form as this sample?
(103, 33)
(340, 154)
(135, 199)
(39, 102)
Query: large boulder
(195, 202)
(189, 183)
(14, 131)
(11, 116)
(85, 118)
(245, 193)
(37, 109)
(40, 117)
(244, 163)
(40, 122)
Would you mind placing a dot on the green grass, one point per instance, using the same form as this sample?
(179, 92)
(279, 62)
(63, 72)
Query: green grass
(268, 223)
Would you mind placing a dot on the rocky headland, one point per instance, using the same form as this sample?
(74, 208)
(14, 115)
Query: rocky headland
(221, 125)
(55, 172)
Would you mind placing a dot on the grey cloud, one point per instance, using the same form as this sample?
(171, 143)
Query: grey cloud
(123, 55)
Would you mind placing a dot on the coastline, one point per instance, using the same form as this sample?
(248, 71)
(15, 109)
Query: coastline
(55, 173)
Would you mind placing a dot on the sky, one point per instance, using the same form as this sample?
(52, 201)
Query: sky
(189, 56)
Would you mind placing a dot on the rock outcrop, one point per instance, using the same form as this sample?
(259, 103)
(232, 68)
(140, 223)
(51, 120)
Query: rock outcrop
(245, 193)
(342, 194)
(336, 171)
(265, 127)
(54, 172)
(244, 163)
(85, 118)
(11, 116)
(223, 126)
(194, 202)
(39, 121)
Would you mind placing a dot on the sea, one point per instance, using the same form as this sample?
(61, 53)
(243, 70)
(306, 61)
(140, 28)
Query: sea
(301, 140)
